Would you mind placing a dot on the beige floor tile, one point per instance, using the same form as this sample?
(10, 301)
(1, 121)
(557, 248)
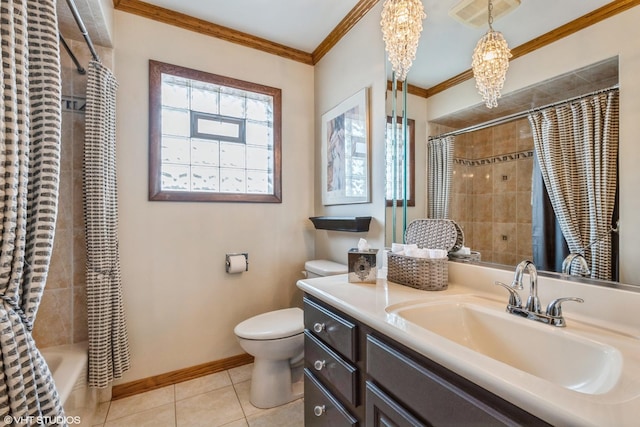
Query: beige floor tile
(162, 416)
(140, 402)
(100, 415)
(243, 390)
(214, 408)
(289, 415)
(241, 373)
(202, 385)
(239, 423)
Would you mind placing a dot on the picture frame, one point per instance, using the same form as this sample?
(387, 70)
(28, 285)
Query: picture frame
(346, 151)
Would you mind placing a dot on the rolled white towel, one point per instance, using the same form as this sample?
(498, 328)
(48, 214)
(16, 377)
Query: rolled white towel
(464, 251)
(423, 253)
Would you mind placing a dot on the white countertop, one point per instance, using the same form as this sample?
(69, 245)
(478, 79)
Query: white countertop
(553, 403)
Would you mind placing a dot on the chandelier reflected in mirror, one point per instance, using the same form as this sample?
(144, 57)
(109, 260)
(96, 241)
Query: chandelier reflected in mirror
(401, 27)
(490, 63)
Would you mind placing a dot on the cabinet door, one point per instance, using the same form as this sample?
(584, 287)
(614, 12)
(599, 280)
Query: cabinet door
(382, 411)
(437, 395)
(321, 409)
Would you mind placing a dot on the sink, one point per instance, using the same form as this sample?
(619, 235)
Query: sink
(554, 354)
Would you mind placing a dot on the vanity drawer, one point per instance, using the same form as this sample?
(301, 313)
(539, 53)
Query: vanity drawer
(321, 408)
(438, 396)
(331, 368)
(335, 331)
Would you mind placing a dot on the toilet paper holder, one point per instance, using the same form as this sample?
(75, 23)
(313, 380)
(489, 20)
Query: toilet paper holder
(228, 260)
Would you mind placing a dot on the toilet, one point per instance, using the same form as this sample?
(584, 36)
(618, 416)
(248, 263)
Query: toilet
(276, 341)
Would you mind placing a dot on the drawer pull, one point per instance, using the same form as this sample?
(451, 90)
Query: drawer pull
(319, 410)
(318, 327)
(319, 364)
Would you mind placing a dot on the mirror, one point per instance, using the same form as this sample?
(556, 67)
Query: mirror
(417, 129)
(501, 241)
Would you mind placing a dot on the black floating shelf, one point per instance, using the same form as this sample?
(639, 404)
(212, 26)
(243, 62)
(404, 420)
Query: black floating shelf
(341, 223)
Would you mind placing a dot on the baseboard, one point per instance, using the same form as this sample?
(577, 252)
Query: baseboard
(151, 383)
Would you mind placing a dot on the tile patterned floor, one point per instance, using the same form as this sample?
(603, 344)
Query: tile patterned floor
(220, 399)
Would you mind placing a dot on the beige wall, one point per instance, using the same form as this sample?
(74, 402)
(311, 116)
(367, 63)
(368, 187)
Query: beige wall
(180, 304)
(620, 36)
(356, 62)
(62, 315)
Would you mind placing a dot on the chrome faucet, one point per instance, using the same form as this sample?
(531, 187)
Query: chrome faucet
(553, 314)
(533, 303)
(584, 267)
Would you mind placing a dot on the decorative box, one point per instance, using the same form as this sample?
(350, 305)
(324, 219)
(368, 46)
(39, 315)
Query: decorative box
(362, 266)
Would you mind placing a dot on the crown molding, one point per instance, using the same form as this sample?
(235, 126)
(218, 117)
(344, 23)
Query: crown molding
(201, 26)
(347, 23)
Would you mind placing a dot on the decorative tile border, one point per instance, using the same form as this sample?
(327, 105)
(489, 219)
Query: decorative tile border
(74, 104)
(501, 158)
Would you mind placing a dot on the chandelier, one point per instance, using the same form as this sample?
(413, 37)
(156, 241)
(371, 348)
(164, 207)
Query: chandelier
(401, 27)
(490, 64)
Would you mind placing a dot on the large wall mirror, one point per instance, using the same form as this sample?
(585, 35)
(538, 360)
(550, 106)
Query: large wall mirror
(491, 187)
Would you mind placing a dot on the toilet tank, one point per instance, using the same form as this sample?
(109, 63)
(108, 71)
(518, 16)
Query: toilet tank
(323, 267)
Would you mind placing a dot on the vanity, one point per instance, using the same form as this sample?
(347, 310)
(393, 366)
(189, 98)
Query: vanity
(387, 354)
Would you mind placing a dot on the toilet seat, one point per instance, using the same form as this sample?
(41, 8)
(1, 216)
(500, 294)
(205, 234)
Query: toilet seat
(272, 325)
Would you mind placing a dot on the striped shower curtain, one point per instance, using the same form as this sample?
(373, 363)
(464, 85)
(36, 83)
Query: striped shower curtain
(439, 171)
(576, 146)
(30, 120)
(108, 343)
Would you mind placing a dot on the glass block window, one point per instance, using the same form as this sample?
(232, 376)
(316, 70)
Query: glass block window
(394, 173)
(212, 138)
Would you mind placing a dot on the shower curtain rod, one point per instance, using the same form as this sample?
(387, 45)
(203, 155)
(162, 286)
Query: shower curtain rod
(83, 30)
(515, 116)
(79, 67)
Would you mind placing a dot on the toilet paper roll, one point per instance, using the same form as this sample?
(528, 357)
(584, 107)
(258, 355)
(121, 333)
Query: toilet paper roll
(237, 264)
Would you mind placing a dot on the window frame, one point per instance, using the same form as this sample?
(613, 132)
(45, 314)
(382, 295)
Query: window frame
(156, 70)
(411, 134)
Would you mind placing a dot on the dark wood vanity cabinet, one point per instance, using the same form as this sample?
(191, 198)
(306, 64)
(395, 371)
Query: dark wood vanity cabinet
(333, 367)
(355, 376)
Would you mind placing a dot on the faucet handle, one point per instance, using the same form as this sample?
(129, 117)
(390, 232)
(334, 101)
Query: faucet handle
(514, 298)
(554, 309)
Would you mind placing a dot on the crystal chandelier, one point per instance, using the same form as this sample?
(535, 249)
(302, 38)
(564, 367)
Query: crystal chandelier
(401, 27)
(490, 64)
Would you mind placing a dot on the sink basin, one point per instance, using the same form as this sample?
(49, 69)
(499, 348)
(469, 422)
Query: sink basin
(553, 354)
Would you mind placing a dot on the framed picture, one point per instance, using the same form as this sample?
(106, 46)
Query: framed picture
(345, 151)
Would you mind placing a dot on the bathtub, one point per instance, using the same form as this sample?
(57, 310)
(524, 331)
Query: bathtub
(68, 365)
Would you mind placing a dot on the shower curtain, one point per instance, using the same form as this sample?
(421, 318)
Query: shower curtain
(576, 146)
(439, 170)
(30, 122)
(108, 343)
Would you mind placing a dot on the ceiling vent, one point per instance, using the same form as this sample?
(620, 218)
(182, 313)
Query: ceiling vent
(474, 13)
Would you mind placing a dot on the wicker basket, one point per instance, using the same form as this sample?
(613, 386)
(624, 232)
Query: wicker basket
(424, 273)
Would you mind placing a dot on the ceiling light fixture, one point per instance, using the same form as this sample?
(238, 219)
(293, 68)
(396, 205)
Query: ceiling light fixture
(401, 27)
(490, 63)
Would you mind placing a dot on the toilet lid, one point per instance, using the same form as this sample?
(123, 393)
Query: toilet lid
(323, 267)
(272, 325)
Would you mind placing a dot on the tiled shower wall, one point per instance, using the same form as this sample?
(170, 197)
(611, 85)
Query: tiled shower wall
(491, 191)
(62, 316)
